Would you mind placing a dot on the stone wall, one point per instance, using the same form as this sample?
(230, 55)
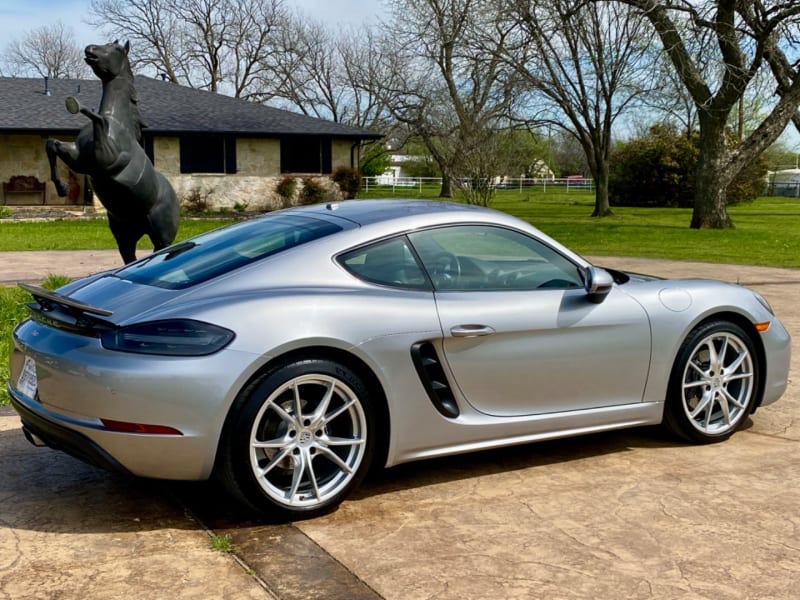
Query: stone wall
(340, 153)
(25, 155)
(239, 192)
(252, 187)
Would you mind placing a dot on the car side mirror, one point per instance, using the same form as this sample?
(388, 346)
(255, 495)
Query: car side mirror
(598, 284)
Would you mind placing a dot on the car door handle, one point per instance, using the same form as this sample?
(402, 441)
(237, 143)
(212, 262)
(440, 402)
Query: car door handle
(471, 330)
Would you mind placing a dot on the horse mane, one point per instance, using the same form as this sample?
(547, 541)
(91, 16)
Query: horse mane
(126, 75)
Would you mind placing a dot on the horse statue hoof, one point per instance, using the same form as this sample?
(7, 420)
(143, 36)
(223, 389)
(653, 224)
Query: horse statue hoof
(72, 104)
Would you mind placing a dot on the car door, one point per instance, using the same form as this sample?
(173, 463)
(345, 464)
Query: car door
(519, 333)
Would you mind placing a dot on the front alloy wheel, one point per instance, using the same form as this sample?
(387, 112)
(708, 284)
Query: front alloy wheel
(714, 383)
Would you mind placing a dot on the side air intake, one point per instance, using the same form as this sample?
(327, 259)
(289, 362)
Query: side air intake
(433, 378)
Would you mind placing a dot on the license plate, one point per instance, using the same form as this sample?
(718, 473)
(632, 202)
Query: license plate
(27, 379)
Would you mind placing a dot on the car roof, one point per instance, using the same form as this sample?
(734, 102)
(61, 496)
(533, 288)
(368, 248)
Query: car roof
(368, 212)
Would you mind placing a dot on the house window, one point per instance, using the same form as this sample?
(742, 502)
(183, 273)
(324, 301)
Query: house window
(208, 154)
(149, 148)
(306, 154)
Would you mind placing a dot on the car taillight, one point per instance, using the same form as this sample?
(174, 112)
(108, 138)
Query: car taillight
(173, 337)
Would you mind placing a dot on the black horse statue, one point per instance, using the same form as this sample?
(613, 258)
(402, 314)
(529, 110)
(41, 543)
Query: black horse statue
(139, 199)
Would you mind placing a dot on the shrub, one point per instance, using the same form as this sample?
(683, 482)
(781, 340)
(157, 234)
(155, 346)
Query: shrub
(655, 170)
(659, 170)
(375, 160)
(348, 180)
(312, 192)
(286, 189)
(196, 202)
(423, 166)
(750, 183)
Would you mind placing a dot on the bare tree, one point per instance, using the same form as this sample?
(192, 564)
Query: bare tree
(443, 86)
(305, 75)
(47, 51)
(209, 44)
(671, 101)
(747, 36)
(326, 73)
(153, 29)
(585, 66)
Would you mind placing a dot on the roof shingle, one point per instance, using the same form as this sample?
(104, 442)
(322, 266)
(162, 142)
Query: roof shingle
(165, 108)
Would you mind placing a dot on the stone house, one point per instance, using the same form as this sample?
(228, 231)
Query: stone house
(222, 150)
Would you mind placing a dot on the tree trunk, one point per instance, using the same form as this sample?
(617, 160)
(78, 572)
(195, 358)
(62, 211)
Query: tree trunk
(709, 203)
(602, 207)
(447, 187)
(711, 182)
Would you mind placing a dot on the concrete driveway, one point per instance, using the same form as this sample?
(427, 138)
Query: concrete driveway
(631, 514)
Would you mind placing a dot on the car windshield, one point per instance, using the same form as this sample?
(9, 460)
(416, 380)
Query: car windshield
(220, 251)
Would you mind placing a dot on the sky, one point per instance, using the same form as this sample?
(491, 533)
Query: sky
(20, 16)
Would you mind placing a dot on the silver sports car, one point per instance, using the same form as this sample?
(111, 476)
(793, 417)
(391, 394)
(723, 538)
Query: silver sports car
(289, 354)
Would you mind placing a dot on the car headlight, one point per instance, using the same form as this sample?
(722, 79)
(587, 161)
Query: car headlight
(172, 337)
(763, 302)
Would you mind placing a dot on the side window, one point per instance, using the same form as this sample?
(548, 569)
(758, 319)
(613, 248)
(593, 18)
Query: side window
(480, 257)
(386, 263)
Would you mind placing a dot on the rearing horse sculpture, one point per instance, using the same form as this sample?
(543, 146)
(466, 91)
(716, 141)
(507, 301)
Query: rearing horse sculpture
(139, 199)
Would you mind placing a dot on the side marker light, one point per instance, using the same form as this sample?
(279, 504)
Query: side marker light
(125, 427)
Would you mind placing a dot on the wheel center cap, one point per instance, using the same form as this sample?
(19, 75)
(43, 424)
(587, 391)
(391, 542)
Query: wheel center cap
(304, 437)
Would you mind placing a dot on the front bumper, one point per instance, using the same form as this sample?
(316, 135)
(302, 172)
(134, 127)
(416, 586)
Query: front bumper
(778, 353)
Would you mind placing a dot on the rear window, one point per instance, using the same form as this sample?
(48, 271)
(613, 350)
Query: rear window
(223, 250)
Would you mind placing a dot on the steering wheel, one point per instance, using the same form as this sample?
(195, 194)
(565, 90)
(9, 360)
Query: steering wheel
(445, 268)
(500, 278)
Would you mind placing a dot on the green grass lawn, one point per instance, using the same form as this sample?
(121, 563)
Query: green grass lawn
(91, 234)
(766, 231)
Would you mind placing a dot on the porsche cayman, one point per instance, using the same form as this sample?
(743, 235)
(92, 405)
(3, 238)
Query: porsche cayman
(289, 354)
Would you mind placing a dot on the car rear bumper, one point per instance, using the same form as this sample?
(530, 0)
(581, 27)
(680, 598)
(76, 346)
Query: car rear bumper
(176, 457)
(86, 397)
(40, 431)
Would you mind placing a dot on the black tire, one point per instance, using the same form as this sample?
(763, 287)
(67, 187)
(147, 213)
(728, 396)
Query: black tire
(713, 384)
(298, 439)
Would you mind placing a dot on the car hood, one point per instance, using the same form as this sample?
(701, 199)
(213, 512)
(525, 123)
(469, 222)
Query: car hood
(622, 277)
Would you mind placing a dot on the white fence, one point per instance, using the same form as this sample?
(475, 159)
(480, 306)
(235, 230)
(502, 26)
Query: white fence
(509, 183)
(789, 189)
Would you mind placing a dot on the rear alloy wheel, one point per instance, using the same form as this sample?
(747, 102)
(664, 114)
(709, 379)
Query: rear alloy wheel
(714, 383)
(301, 441)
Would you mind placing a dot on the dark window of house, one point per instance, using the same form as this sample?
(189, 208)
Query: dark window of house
(306, 154)
(208, 154)
(147, 141)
